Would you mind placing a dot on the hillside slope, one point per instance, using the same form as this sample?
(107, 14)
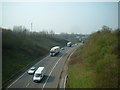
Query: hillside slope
(23, 48)
(95, 64)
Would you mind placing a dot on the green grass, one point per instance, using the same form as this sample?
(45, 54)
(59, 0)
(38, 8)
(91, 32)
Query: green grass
(80, 77)
(21, 49)
(12, 64)
(95, 64)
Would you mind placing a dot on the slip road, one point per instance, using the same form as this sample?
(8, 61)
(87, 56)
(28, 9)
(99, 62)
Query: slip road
(53, 66)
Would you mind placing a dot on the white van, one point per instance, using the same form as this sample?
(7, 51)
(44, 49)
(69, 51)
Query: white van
(40, 72)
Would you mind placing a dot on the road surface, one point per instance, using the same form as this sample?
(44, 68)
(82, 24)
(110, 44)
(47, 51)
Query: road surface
(53, 66)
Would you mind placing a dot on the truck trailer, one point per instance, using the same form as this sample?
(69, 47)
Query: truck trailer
(55, 50)
(69, 44)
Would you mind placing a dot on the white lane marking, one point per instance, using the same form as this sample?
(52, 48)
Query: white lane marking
(68, 60)
(41, 60)
(36, 64)
(27, 85)
(65, 82)
(16, 80)
(52, 70)
(25, 72)
(71, 54)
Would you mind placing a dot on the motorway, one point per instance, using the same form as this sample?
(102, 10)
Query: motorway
(53, 67)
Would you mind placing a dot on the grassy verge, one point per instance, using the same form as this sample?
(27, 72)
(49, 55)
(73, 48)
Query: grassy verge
(95, 64)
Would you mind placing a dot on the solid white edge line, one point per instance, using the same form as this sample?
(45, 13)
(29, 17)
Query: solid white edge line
(27, 85)
(52, 70)
(41, 60)
(66, 75)
(68, 60)
(16, 80)
(24, 73)
(36, 64)
(65, 82)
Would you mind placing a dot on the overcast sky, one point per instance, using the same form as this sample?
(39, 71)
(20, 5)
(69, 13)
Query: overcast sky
(77, 17)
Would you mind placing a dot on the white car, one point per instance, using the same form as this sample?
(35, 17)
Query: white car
(32, 70)
(62, 48)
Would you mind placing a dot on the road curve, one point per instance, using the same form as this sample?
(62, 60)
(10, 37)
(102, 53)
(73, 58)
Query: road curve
(53, 66)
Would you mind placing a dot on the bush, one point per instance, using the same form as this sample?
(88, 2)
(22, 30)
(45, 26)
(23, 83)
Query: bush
(99, 55)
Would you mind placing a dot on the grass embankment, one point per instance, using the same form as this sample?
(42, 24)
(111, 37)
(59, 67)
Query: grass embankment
(95, 64)
(22, 48)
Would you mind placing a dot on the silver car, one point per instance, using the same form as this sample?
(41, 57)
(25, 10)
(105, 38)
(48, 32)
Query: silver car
(32, 70)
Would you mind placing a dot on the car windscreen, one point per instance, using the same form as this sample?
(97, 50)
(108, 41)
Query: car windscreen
(37, 75)
(32, 69)
(52, 52)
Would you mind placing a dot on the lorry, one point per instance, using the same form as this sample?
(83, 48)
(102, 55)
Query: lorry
(69, 44)
(39, 74)
(54, 50)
